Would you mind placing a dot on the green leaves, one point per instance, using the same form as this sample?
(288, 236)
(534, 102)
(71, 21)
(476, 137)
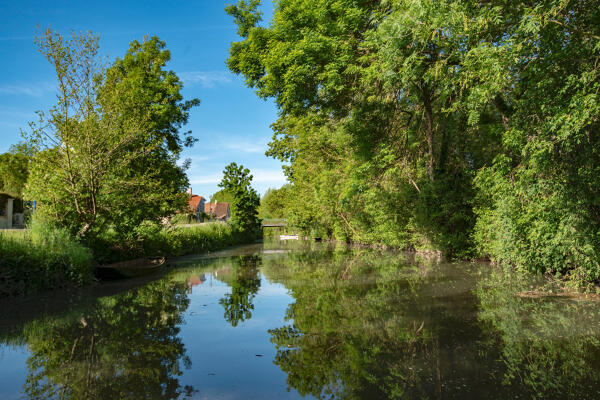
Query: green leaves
(245, 15)
(389, 110)
(244, 208)
(107, 152)
(14, 169)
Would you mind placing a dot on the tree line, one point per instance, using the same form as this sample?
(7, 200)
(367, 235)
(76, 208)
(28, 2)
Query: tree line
(463, 126)
(104, 166)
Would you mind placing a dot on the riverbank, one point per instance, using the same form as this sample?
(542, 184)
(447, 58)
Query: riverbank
(43, 258)
(573, 283)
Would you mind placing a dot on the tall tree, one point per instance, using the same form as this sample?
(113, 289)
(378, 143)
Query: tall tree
(245, 201)
(459, 126)
(371, 118)
(540, 201)
(107, 151)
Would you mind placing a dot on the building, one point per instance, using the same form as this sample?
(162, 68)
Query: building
(6, 212)
(11, 212)
(220, 211)
(196, 204)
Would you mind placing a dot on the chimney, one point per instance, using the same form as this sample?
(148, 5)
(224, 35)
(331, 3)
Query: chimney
(189, 191)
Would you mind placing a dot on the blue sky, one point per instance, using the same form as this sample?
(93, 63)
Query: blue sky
(231, 123)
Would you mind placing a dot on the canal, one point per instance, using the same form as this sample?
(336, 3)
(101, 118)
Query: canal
(295, 319)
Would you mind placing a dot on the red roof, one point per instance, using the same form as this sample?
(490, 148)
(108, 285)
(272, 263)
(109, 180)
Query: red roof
(194, 202)
(219, 210)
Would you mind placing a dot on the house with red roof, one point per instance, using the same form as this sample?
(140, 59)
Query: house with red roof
(196, 204)
(220, 211)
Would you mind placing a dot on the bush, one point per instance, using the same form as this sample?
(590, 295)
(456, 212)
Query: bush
(42, 257)
(154, 240)
(537, 225)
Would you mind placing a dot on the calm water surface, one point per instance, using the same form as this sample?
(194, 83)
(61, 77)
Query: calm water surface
(288, 320)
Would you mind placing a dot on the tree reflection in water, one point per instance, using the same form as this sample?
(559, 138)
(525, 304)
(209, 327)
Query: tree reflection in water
(125, 347)
(550, 346)
(366, 326)
(362, 325)
(244, 280)
(351, 335)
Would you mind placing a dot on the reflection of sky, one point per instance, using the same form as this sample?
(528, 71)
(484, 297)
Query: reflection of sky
(231, 123)
(224, 359)
(13, 367)
(215, 347)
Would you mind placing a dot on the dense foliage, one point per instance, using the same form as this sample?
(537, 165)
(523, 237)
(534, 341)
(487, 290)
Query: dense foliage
(221, 196)
(273, 203)
(107, 152)
(14, 169)
(154, 240)
(460, 126)
(244, 199)
(45, 257)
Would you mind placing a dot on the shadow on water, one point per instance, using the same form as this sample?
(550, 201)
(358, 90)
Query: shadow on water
(358, 324)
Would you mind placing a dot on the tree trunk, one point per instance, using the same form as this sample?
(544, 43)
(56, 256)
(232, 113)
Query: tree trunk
(429, 132)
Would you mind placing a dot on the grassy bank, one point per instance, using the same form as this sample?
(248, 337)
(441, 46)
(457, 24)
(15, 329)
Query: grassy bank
(48, 258)
(40, 258)
(152, 240)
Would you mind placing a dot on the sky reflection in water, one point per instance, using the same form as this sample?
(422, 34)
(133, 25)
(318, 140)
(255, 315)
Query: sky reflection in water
(310, 321)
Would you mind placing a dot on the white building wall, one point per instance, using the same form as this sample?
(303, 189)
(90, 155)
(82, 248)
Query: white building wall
(7, 219)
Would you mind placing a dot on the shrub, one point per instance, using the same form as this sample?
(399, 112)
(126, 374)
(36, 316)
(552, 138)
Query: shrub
(154, 240)
(42, 257)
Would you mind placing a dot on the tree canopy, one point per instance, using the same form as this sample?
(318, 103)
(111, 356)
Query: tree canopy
(244, 199)
(273, 203)
(14, 169)
(107, 152)
(460, 126)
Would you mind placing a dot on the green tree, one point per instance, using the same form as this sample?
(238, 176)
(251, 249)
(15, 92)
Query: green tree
(107, 152)
(372, 116)
(245, 201)
(14, 169)
(273, 203)
(222, 196)
(459, 126)
(539, 201)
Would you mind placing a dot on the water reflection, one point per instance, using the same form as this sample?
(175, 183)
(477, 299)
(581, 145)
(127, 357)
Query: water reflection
(359, 327)
(549, 346)
(126, 347)
(358, 324)
(373, 326)
(244, 280)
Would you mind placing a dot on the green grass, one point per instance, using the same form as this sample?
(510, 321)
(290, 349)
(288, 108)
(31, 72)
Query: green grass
(42, 258)
(152, 240)
(194, 240)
